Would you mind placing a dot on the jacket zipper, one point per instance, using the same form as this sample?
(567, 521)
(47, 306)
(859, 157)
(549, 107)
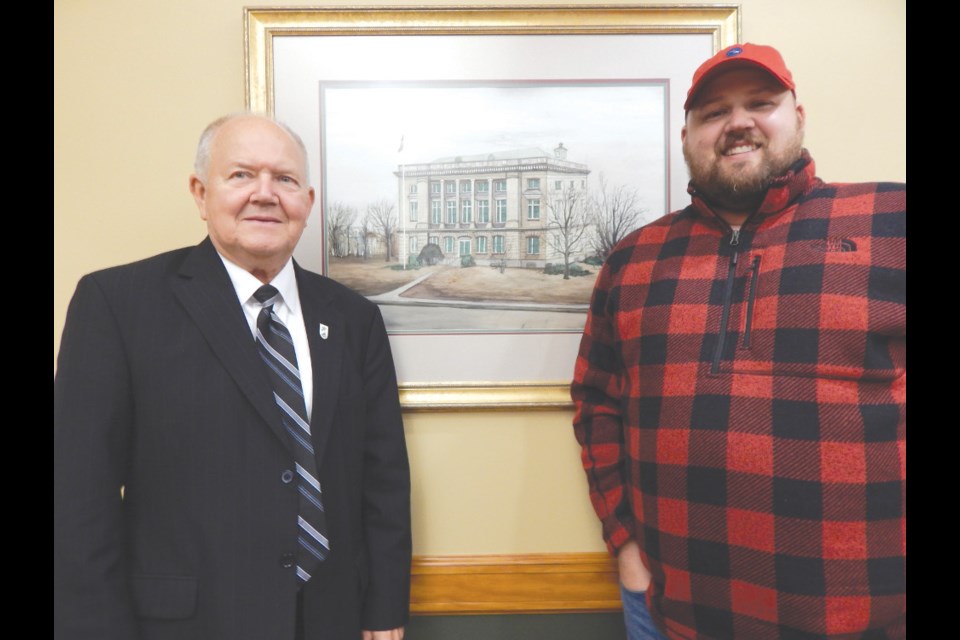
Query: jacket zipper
(748, 325)
(727, 299)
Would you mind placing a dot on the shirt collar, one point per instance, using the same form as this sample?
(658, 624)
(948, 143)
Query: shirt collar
(245, 284)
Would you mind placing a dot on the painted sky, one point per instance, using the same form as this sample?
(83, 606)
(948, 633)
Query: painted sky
(616, 129)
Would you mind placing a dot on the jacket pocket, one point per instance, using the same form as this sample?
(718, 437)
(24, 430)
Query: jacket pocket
(751, 293)
(164, 597)
(811, 313)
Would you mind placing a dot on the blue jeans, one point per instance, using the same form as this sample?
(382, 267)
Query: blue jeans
(636, 616)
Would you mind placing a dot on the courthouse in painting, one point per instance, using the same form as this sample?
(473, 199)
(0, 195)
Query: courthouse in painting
(507, 207)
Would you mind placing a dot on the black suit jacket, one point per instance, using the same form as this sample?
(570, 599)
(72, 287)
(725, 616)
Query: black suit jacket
(160, 390)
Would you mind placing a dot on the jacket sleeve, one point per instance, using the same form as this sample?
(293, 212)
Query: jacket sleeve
(597, 392)
(386, 491)
(92, 412)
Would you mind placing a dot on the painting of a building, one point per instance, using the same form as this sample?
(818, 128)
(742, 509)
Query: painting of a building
(499, 208)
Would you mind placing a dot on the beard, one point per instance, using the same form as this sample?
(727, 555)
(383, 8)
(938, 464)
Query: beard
(740, 188)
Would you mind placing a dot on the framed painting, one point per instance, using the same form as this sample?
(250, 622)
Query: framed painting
(474, 165)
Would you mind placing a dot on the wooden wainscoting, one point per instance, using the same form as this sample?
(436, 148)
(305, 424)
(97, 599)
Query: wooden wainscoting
(527, 583)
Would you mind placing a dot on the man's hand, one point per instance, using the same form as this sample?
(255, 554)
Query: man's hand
(389, 634)
(633, 575)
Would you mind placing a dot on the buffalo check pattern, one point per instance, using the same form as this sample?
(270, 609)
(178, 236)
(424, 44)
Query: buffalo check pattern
(741, 406)
(280, 358)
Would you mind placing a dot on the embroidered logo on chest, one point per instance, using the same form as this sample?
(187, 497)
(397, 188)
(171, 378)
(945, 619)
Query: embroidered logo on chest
(834, 245)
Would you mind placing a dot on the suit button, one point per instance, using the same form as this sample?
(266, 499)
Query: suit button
(286, 477)
(287, 560)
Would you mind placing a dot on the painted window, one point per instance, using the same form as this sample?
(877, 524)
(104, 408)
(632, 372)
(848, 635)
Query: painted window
(533, 209)
(483, 211)
(501, 210)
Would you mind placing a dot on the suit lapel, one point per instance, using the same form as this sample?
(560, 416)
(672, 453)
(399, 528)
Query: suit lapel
(206, 292)
(326, 333)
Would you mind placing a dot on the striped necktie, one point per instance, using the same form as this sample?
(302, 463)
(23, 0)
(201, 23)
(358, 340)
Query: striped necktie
(276, 349)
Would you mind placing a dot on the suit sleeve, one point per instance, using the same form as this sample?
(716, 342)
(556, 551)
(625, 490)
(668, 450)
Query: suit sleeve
(92, 414)
(598, 419)
(386, 490)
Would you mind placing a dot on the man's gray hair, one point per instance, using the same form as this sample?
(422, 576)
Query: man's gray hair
(201, 163)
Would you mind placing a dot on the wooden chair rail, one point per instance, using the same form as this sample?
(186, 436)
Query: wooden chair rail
(524, 583)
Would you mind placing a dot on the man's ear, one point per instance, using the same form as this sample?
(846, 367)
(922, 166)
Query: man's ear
(312, 194)
(199, 191)
(683, 133)
(801, 115)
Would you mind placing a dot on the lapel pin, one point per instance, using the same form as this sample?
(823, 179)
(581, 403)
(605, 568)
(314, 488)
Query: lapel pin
(324, 331)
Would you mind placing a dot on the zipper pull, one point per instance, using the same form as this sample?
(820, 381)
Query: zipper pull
(734, 237)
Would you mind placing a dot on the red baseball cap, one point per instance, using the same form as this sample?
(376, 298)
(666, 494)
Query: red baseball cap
(767, 58)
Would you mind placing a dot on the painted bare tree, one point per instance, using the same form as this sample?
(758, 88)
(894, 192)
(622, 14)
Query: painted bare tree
(363, 229)
(614, 212)
(566, 225)
(340, 219)
(383, 219)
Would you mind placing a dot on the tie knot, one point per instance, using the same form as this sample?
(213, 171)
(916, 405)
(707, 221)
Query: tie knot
(265, 293)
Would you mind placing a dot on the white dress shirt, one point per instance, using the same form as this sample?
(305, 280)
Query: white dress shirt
(287, 308)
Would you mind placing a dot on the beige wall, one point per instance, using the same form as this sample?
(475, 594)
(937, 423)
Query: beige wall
(135, 82)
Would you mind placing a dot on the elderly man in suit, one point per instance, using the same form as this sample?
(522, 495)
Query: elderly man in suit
(229, 456)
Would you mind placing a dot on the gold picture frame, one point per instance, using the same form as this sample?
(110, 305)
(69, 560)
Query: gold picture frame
(712, 26)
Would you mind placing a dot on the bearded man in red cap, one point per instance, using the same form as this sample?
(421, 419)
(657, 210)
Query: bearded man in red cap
(740, 388)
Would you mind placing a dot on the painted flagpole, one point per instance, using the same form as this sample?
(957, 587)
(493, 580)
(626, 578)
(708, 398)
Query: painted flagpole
(400, 209)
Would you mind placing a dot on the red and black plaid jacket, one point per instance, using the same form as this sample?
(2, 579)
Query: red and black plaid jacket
(741, 404)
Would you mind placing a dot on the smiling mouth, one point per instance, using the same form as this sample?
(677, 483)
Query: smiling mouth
(741, 148)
